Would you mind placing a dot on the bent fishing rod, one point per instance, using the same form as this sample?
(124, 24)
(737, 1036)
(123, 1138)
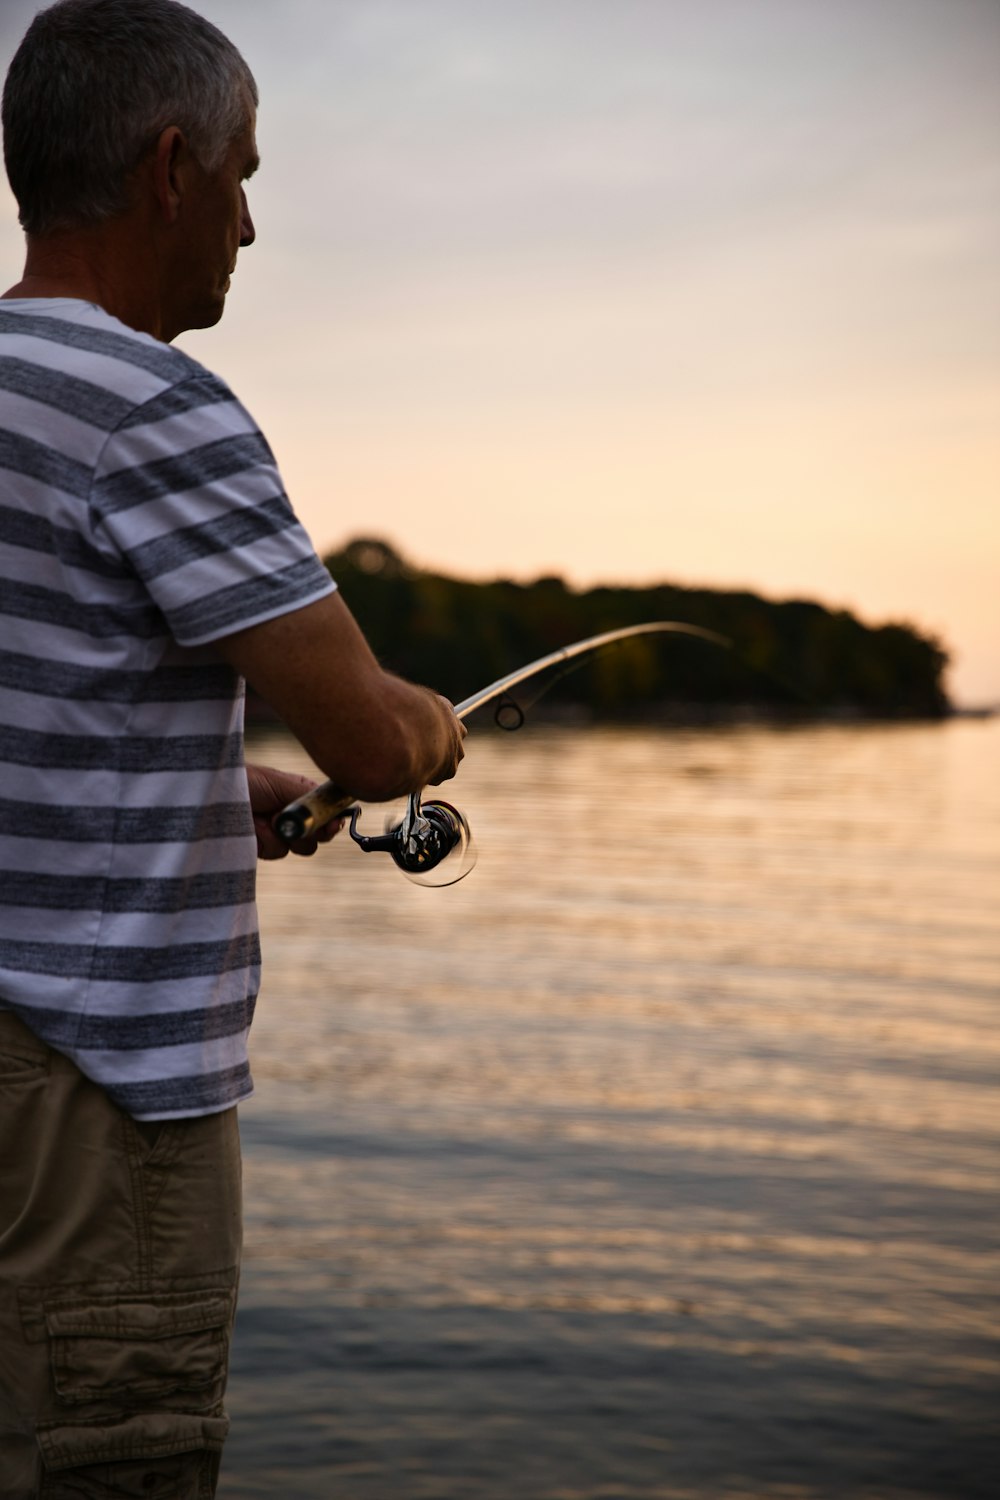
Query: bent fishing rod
(431, 832)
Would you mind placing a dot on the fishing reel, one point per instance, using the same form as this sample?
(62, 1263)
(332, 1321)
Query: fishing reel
(431, 844)
(430, 835)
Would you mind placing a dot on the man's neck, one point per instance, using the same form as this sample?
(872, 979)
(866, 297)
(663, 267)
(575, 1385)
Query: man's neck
(47, 286)
(90, 265)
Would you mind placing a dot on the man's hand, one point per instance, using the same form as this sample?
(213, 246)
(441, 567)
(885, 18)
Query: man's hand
(272, 790)
(455, 732)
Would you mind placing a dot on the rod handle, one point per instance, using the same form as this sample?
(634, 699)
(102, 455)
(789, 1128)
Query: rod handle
(306, 814)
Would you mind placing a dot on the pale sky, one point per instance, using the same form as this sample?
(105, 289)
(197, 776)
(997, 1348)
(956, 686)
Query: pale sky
(632, 291)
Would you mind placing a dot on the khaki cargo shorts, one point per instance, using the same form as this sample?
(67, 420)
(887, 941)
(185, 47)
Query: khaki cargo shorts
(119, 1262)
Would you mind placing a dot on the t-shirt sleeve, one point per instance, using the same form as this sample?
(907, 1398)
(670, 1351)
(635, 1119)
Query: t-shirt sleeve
(188, 493)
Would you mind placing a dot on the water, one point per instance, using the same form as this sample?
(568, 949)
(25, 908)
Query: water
(659, 1157)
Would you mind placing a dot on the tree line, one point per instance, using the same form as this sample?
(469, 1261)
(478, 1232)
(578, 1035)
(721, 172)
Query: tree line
(789, 658)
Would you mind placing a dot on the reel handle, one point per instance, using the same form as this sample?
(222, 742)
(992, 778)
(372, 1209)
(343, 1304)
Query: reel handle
(306, 814)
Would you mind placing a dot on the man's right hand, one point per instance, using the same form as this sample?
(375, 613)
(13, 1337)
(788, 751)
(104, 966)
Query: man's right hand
(457, 732)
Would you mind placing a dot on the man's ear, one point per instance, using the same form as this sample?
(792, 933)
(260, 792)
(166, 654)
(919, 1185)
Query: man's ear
(170, 158)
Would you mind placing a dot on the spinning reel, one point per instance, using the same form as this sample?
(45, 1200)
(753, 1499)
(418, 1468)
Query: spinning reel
(428, 834)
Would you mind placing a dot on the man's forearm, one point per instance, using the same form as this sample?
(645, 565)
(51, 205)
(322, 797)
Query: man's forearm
(372, 733)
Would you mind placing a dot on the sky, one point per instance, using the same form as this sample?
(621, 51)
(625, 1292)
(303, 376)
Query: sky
(632, 291)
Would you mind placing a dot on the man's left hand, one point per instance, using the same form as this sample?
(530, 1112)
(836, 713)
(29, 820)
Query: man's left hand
(272, 790)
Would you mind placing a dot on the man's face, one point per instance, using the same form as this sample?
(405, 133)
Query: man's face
(216, 222)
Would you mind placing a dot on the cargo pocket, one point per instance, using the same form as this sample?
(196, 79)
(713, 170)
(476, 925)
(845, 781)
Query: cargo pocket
(134, 1350)
(139, 1440)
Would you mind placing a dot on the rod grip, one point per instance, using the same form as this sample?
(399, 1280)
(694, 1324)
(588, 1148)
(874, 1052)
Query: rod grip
(306, 814)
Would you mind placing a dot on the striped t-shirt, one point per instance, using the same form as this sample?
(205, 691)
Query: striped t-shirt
(141, 517)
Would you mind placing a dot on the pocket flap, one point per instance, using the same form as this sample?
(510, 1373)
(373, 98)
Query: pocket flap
(154, 1435)
(140, 1346)
(159, 1316)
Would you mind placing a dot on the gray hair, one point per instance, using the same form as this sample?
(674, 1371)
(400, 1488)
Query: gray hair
(91, 87)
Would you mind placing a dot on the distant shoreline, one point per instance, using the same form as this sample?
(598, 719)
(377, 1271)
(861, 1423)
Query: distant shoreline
(744, 656)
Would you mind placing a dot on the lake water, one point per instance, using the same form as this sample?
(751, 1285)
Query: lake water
(659, 1158)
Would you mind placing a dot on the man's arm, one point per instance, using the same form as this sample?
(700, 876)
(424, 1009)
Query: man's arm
(371, 733)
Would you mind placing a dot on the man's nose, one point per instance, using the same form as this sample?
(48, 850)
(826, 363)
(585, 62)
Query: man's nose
(247, 232)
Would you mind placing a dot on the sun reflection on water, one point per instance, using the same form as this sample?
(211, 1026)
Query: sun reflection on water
(678, 1116)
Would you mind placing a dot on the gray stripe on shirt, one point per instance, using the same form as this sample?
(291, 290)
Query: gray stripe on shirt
(232, 608)
(203, 389)
(23, 455)
(206, 464)
(82, 752)
(96, 893)
(124, 825)
(202, 1094)
(158, 359)
(30, 601)
(59, 679)
(132, 965)
(224, 534)
(35, 533)
(89, 403)
(90, 1033)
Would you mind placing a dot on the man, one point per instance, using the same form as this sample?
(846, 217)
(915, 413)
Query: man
(149, 562)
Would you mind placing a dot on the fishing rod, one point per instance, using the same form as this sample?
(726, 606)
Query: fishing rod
(431, 832)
